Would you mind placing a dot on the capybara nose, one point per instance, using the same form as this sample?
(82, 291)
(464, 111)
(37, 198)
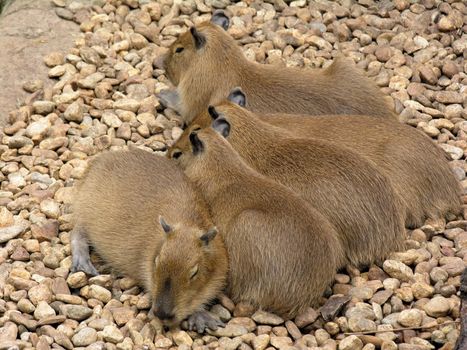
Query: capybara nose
(159, 62)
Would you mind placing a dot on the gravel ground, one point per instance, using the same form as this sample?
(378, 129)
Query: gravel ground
(104, 99)
(24, 42)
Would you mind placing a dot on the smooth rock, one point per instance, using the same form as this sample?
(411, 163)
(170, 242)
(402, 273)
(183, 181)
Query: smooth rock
(351, 343)
(410, 318)
(437, 307)
(86, 336)
(43, 107)
(8, 332)
(90, 82)
(74, 112)
(43, 310)
(112, 334)
(454, 152)
(333, 306)
(76, 312)
(182, 338)
(399, 270)
(260, 342)
(100, 293)
(230, 331)
(40, 293)
(264, 317)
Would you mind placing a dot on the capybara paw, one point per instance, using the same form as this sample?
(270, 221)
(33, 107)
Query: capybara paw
(85, 265)
(169, 98)
(201, 320)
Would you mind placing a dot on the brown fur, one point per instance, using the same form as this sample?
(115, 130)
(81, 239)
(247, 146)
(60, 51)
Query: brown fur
(345, 187)
(206, 75)
(416, 167)
(117, 205)
(282, 252)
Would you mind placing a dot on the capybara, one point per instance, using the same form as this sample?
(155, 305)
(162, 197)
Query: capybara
(145, 220)
(282, 252)
(205, 63)
(345, 187)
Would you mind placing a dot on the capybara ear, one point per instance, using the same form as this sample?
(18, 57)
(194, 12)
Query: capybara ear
(198, 38)
(222, 126)
(237, 96)
(165, 226)
(213, 112)
(196, 143)
(209, 236)
(219, 17)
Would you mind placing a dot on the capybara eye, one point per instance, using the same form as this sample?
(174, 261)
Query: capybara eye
(194, 271)
(176, 154)
(179, 49)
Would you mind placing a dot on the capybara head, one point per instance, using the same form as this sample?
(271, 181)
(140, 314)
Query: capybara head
(206, 46)
(218, 117)
(179, 149)
(203, 149)
(189, 271)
